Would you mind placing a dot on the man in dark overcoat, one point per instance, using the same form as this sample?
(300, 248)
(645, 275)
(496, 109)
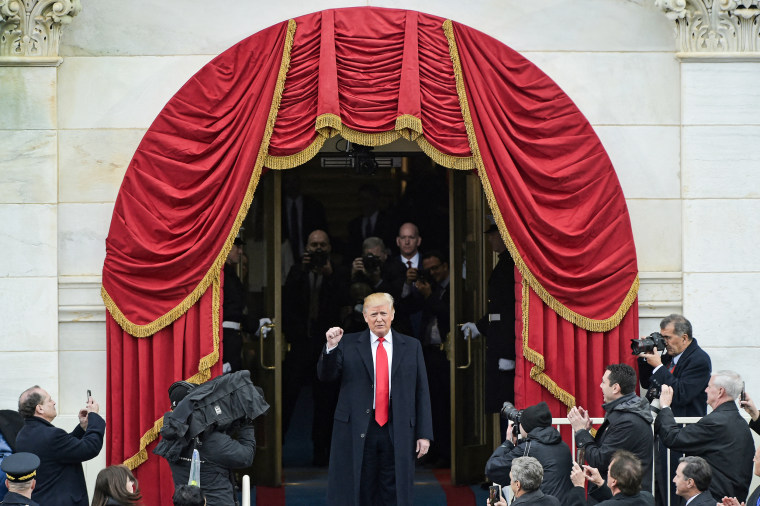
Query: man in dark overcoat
(60, 477)
(375, 438)
(722, 437)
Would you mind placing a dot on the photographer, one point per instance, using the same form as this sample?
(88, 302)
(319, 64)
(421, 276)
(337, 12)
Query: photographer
(540, 440)
(313, 296)
(370, 267)
(686, 369)
(216, 418)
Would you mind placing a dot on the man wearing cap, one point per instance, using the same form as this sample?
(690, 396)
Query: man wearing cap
(627, 424)
(20, 478)
(498, 326)
(61, 477)
(540, 440)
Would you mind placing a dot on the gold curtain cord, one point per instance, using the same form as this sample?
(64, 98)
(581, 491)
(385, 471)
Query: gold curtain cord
(562, 310)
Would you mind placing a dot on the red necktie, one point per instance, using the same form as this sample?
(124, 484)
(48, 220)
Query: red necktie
(409, 264)
(381, 389)
(672, 368)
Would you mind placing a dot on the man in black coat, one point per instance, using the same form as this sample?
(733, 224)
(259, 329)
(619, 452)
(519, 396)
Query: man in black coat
(722, 437)
(627, 423)
(539, 440)
(313, 296)
(383, 415)
(622, 487)
(692, 481)
(685, 368)
(60, 478)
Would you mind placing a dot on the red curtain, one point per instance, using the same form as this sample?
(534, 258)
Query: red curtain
(183, 198)
(372, 75)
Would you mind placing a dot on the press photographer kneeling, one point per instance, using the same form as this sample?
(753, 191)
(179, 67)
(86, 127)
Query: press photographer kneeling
(537, 438)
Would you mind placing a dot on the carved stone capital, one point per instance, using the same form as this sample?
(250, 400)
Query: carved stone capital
(32, 28)
(715, 26)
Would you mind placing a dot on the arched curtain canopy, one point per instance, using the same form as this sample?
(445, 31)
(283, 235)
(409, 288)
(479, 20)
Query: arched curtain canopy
(371, 75)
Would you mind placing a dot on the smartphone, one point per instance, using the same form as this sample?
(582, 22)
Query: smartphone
(580, 455)
(494, 494)
(743, 396)
(89, 394)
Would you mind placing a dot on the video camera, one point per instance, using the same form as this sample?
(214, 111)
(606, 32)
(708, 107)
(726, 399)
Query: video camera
(510, 412)
(647, 344)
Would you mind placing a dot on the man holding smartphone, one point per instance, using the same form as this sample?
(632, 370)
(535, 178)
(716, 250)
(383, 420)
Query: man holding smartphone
(60, 477)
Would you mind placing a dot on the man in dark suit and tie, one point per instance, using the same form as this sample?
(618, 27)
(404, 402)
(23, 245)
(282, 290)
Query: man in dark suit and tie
(383, 415)
(685, 368)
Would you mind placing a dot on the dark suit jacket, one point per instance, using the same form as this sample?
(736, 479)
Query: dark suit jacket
(722, 438)
(313, 218)
(688, 380)
(383, 229)
(351, 362)
(537, 497)
(704, 499)
(13, 499)
(60, 478)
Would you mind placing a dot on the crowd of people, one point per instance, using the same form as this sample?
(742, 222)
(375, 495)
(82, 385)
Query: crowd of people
(711, 460)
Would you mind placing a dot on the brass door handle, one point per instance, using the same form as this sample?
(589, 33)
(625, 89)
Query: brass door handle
(468, 337)
(271, 327)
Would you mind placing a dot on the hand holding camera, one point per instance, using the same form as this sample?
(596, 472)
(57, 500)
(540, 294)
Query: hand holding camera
(749, 406)
(650, 348)
(317, 261)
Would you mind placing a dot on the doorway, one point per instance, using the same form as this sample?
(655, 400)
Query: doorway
(450, 210)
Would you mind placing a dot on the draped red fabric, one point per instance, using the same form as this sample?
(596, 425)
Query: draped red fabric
(371, 75)
(364, 69)
(139, 373)
(551, 179)
(563, 364)
(181, 203)
(187, 182)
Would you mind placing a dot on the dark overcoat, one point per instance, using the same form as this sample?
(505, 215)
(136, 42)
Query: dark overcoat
(352, 363)
(722, 438)
(60, 478)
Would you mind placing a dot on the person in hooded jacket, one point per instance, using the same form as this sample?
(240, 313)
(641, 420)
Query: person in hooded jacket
(221, 451)
(627, 424)
(540, 440)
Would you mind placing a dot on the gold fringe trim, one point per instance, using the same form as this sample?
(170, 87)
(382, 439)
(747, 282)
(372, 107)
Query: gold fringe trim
(562, 310)
(452, 162)
(537, 371)
(328, 123)
(205, 363)
(203, 375)
(409, 127)
(296, 159)
(164, 320)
